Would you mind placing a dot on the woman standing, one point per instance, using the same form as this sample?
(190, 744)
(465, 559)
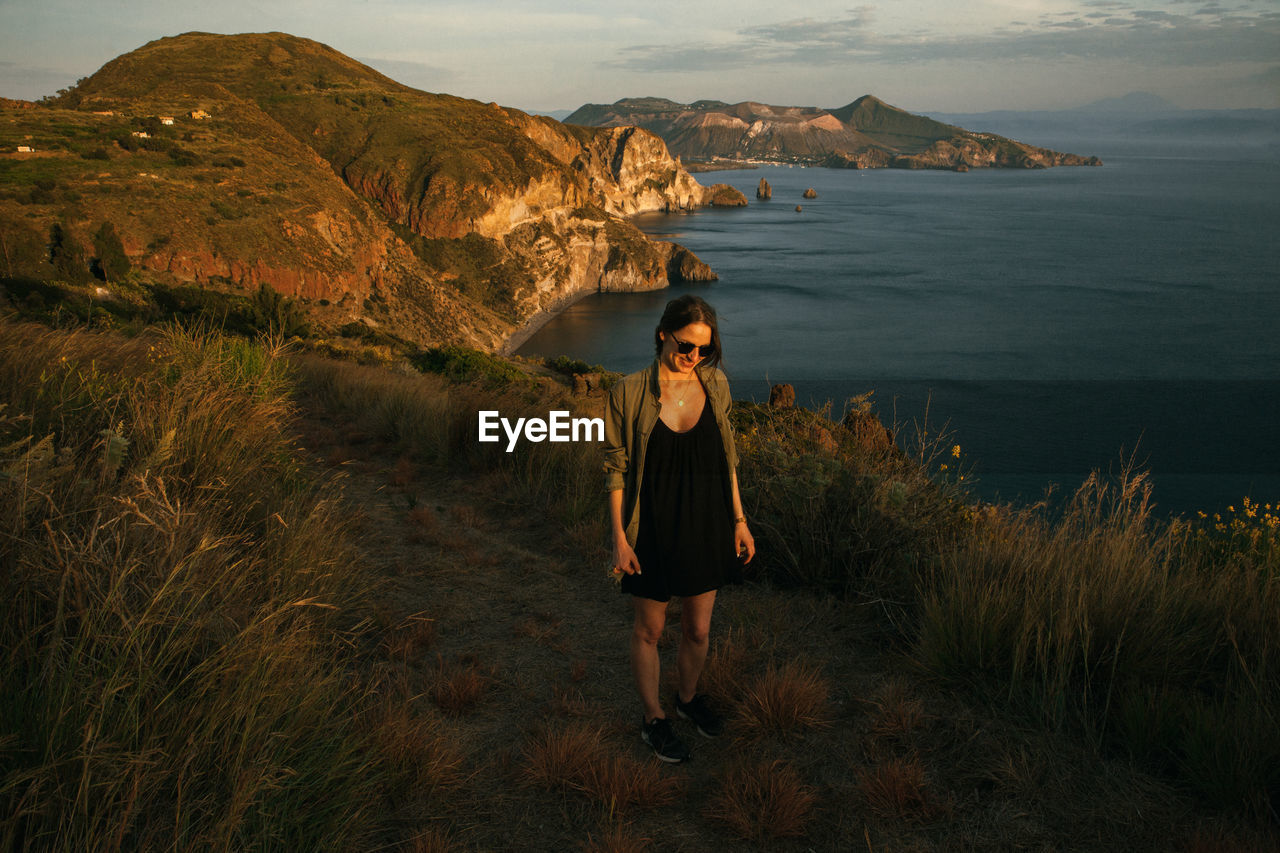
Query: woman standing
(678, 527)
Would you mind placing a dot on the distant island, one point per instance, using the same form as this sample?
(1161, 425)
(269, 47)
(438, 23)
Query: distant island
(866, 134)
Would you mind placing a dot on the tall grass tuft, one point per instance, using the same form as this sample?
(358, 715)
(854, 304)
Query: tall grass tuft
(759, 801)
(1137, 628)
(783, 699)
(177, 593)
(577, 758)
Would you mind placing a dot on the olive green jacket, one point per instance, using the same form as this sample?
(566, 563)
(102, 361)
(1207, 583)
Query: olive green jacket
(629, 418)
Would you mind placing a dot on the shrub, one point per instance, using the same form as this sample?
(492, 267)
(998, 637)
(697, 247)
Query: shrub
(277, 314)
(111, 262)
(67, 255)
(468, 365)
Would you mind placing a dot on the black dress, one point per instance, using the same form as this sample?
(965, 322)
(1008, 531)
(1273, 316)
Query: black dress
(685, 538)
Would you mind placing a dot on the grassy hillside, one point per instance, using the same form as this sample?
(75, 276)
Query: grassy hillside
(401, 637)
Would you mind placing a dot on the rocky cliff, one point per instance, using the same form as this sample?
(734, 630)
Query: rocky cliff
(289, 164)
(866, 134)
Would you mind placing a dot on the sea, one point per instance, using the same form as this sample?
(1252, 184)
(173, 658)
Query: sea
(1052, 323)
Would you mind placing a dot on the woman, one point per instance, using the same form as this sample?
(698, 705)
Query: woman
(678, 527)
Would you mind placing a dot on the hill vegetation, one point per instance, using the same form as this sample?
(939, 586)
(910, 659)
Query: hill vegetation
(401, 637)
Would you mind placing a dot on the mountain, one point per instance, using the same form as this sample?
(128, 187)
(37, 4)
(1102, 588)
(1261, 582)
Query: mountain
(867, 133)
(434, 217)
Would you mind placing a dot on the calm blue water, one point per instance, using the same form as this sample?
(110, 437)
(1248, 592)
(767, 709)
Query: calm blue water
(1055, 322)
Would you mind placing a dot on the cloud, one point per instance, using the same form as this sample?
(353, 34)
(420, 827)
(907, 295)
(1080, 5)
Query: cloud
(1145, 36)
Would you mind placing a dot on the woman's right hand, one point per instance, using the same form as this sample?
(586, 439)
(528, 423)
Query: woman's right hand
(624, 559)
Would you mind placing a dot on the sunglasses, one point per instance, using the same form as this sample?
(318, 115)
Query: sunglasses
(685, 348)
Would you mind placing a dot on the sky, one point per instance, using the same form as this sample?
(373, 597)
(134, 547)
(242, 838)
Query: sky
(922, 55)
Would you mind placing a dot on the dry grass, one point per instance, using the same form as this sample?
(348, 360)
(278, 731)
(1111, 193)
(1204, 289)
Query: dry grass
(1228, 841)
(541, 628)
(898, 788)
(426, 528)
(431, 841)
(427, 758)
(384, 757)
(616, 839)
(403, 473)
(724, 675)
(897, 713)
(578, 758)
(762, 801)
(459, 687)
(410, 638)
(466, 516)
(568, 702)
(178, 594)
(1131, 628)
(783, 699)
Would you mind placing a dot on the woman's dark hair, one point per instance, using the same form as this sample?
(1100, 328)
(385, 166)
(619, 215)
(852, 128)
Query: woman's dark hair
(682, 311)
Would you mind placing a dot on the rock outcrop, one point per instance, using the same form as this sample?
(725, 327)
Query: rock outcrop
(811, 193)
(764, 192)
(866, 134)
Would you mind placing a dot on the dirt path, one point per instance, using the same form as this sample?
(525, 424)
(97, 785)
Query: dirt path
(501, 631)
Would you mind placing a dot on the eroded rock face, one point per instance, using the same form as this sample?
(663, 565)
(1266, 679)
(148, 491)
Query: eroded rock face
(764, 192)
(565, 226)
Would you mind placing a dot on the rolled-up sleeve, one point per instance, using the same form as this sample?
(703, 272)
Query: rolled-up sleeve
(616, 457)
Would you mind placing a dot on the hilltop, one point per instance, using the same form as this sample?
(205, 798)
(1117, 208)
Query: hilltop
(233, 162)
(865, 134)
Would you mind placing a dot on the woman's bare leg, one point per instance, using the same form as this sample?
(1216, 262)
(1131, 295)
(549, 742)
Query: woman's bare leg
(651, 617)
(695, 631)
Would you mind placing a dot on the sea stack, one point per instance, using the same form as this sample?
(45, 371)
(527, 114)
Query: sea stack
(764, 192)
(811, 193)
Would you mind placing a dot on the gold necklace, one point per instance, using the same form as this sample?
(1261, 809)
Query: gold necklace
(680, 402)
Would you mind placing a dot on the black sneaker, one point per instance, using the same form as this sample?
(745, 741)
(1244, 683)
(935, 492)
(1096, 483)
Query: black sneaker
(698, 709)
(666, 745)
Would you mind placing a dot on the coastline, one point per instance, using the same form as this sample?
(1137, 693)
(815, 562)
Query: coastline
(527, 330)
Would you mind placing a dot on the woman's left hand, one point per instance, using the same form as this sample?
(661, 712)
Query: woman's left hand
(743, 543)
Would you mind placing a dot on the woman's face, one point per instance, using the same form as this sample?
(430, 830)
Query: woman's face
(696, 333)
